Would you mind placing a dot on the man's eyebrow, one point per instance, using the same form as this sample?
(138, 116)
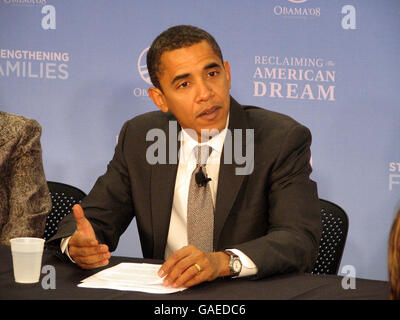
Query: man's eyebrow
(185, 75)
(179, 77)
(212, 65)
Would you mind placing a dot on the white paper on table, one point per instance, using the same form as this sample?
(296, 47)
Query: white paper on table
(129, 277)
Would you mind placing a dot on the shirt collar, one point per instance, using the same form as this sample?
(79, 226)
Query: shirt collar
(216, 142)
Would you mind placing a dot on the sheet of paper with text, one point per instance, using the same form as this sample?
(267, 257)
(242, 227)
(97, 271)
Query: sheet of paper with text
(129, 277)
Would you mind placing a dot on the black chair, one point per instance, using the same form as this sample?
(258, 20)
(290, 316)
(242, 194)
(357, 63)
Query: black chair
(63, 198)
(335, 225)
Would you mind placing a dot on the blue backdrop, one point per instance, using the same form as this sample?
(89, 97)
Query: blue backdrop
(78, 67)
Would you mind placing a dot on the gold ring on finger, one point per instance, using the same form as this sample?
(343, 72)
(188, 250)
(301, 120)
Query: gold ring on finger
(198, 267)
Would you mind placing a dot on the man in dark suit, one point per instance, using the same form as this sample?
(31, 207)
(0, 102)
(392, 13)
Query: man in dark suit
(265, 219)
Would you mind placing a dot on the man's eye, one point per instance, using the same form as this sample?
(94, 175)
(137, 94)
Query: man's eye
(184, 84)
(213, 73)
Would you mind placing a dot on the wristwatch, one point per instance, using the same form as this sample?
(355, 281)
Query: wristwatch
(235, 265)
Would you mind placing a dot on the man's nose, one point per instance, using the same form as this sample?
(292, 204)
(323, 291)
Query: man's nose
(204, 91)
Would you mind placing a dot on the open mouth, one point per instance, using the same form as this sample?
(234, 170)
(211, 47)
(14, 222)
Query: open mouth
(210, 113)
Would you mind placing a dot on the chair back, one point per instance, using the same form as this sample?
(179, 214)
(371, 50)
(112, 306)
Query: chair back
(335, 225)
(63, 198)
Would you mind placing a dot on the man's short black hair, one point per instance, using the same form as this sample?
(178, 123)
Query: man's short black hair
(176, 37)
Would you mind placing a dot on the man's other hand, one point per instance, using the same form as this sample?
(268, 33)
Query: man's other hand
(190, 266)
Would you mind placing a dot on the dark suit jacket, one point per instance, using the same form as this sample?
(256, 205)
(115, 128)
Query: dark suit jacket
(272, 215)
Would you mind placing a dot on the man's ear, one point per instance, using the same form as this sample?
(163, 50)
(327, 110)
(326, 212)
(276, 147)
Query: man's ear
(158, 98)
(228, 72)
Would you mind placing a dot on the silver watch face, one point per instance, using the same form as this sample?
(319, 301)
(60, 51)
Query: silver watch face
(236, 265)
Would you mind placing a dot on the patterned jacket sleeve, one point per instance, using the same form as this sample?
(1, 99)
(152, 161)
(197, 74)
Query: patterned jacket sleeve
(29, 201)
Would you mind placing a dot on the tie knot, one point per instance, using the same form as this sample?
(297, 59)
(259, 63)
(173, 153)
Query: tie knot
(202, 153)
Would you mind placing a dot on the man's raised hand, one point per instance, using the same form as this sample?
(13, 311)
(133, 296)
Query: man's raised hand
(83, 247)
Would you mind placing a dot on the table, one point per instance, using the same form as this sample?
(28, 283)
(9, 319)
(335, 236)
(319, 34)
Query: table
(297, 286)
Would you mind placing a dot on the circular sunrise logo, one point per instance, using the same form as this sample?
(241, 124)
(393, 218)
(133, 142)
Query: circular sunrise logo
(142, 66)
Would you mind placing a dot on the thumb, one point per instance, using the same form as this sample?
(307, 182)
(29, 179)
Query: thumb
(82, 224)
(79, 217)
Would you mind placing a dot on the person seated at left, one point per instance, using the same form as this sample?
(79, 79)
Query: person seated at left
(24, 196)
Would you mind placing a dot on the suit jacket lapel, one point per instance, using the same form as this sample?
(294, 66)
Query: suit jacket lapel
(229, 182)
(162, 183)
